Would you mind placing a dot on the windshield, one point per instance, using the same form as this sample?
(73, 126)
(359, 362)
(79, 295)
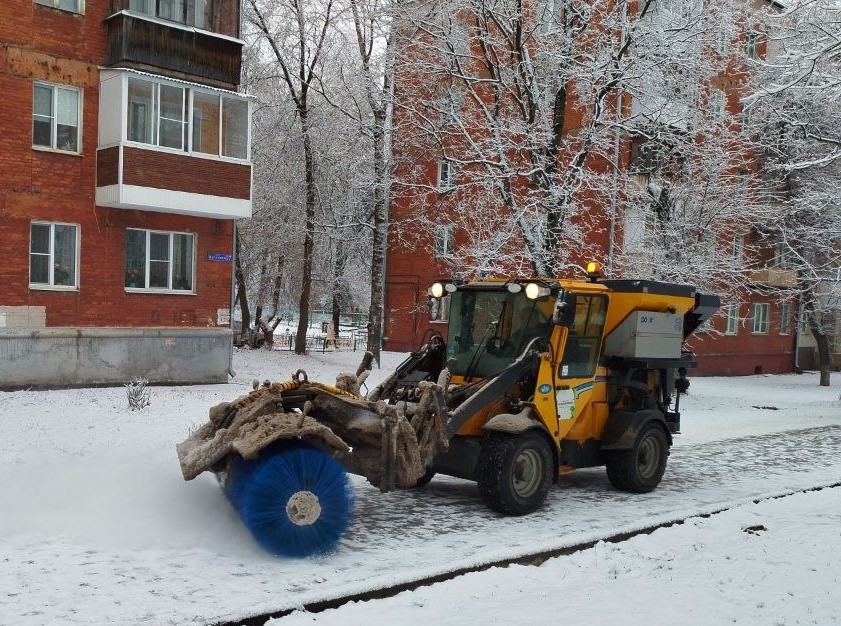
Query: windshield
(489, 329)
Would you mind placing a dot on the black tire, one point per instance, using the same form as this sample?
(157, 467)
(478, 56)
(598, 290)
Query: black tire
(514, 472)
(640, 469)
(423, 481)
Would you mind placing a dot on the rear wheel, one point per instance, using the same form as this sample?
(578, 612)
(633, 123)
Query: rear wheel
(514, 472)
(640, 469)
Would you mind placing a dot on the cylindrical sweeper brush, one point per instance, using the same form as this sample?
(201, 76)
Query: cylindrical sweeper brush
(296, 500)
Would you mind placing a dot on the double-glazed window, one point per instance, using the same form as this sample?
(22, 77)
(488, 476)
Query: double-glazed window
(761, 312)
(717, 104)
(159, 114)
(785, 319)
(581, 354)
(74, 6)
(190, 12)
(752, 45)
(56, 117)
(53, 255)
(731, 312)
(446, 174)
(159, 260)
(444, 241)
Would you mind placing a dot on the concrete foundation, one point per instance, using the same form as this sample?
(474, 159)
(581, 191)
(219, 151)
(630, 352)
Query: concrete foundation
(69, 357)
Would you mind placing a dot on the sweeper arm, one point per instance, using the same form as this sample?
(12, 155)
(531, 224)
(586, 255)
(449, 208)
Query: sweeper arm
(390, 444)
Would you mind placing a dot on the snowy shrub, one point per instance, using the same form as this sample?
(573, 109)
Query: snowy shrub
(137, 393)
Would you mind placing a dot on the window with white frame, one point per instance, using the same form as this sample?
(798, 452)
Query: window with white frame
(444, 240)
(159, 115)
(761, 312)
(439, 309)
(716, 105)
(74, 6)
(53, 255)
(158, 260)
(752, 44)
(56, 117)
(731, 312)
(785, 319)
(783, 256)
(738, 248)
(190, 12)
(549, 15)
(742, 188)
(446, 173)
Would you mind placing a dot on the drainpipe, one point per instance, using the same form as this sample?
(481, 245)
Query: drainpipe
(617, 145)
(231, 371)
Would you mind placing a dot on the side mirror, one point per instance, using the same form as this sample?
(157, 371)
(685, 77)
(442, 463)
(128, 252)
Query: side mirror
(564, 313)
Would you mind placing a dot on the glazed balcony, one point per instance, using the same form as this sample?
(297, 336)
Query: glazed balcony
(148, 42)
(172, 147)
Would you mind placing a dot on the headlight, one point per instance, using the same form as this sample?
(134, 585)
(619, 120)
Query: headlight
(436, 290)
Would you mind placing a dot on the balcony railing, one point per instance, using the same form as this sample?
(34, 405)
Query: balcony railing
(148, 43)
(776, 277)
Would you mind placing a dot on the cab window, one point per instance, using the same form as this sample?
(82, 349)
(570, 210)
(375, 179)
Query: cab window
(581, 354)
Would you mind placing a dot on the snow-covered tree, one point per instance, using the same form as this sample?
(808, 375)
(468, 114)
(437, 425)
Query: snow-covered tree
(794, 112)
(530, 105)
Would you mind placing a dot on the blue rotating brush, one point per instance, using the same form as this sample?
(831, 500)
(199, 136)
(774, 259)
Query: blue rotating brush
(296, 500)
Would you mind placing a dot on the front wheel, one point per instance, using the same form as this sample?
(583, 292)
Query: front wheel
(514, 472)
(640, 469)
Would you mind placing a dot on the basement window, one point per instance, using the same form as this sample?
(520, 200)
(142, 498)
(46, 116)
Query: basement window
(160, 261)
(53, 255)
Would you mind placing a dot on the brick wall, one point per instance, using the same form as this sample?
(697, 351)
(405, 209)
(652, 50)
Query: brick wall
(162, 170)
(42, 43)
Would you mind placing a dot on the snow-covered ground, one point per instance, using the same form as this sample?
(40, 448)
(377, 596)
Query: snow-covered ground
(98, 527)
(774, 563)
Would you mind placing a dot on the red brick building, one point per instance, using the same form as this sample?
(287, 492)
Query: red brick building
(757, 332)
(126, 160)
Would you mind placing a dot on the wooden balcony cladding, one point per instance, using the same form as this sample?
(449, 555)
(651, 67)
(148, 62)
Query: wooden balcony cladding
(182, 52)
(175, 172)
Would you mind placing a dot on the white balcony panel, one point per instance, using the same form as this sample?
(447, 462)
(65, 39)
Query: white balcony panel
(167, 201)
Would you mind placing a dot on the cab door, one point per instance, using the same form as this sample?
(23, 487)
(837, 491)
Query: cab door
(580, 387)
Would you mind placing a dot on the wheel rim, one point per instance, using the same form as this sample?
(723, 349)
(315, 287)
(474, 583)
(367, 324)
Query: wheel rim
(648, 457)
(527, 473)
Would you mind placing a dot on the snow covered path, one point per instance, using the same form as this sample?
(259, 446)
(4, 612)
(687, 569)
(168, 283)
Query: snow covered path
(774, 562)
(97, 526)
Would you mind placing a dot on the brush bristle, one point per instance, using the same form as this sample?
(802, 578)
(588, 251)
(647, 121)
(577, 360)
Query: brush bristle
(260, 490)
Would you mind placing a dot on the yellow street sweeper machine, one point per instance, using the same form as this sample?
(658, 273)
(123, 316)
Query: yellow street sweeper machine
(535, 377)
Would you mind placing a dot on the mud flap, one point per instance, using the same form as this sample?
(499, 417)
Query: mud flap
(622, 428)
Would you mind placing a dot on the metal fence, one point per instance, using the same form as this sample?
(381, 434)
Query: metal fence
(319, 342)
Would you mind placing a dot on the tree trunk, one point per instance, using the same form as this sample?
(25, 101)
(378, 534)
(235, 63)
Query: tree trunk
(242, 296)
(306, 273)
(819, 334)
(375, 310)
(278, 283)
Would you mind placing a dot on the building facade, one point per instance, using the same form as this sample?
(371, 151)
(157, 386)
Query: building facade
(126, 159)
(755, 331)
